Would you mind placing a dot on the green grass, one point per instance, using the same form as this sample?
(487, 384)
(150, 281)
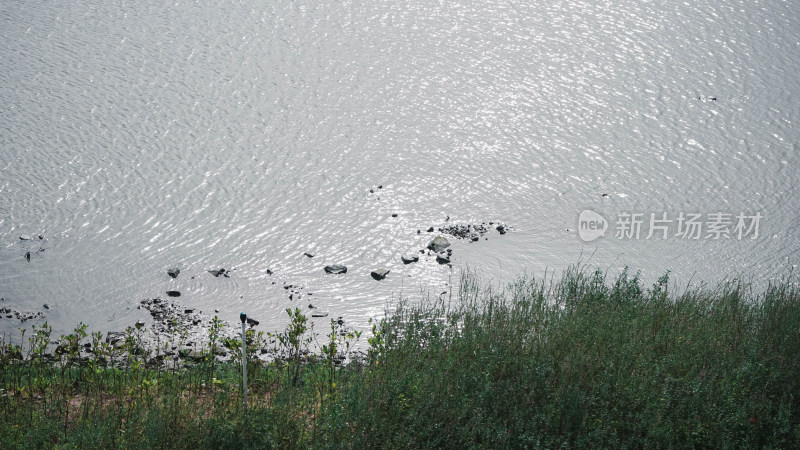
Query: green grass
(582, 362)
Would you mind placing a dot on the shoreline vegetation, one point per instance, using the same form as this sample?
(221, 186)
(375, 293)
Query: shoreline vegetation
(584, 361)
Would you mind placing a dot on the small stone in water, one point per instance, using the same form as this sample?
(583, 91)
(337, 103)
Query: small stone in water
(336, 268)
(379, 274)
(217, 273)
(410, 258)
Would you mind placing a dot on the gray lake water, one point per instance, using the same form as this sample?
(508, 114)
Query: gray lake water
(138, 136)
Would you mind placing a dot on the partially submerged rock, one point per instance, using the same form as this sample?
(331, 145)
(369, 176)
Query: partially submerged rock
(438, 244)
(409, 258)
(380, 274)
(336, 268)
(173, 272)
(220, 272)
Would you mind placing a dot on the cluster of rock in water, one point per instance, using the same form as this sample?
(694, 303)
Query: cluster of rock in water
(438, 246)
(472, 232)
(22, 316)
(169, 317)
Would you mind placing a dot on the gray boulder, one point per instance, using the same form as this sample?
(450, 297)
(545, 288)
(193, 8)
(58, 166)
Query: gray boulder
(115, 338)
(409, 258)
(336, 268)
(438, 244)
(379, 274)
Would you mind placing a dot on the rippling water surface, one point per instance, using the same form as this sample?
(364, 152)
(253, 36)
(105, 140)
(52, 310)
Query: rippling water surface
(138, 136)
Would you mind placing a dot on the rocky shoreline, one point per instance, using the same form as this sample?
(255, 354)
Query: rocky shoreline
(180, 333)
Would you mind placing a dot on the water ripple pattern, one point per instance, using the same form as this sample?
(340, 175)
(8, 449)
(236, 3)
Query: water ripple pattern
(138, 136)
